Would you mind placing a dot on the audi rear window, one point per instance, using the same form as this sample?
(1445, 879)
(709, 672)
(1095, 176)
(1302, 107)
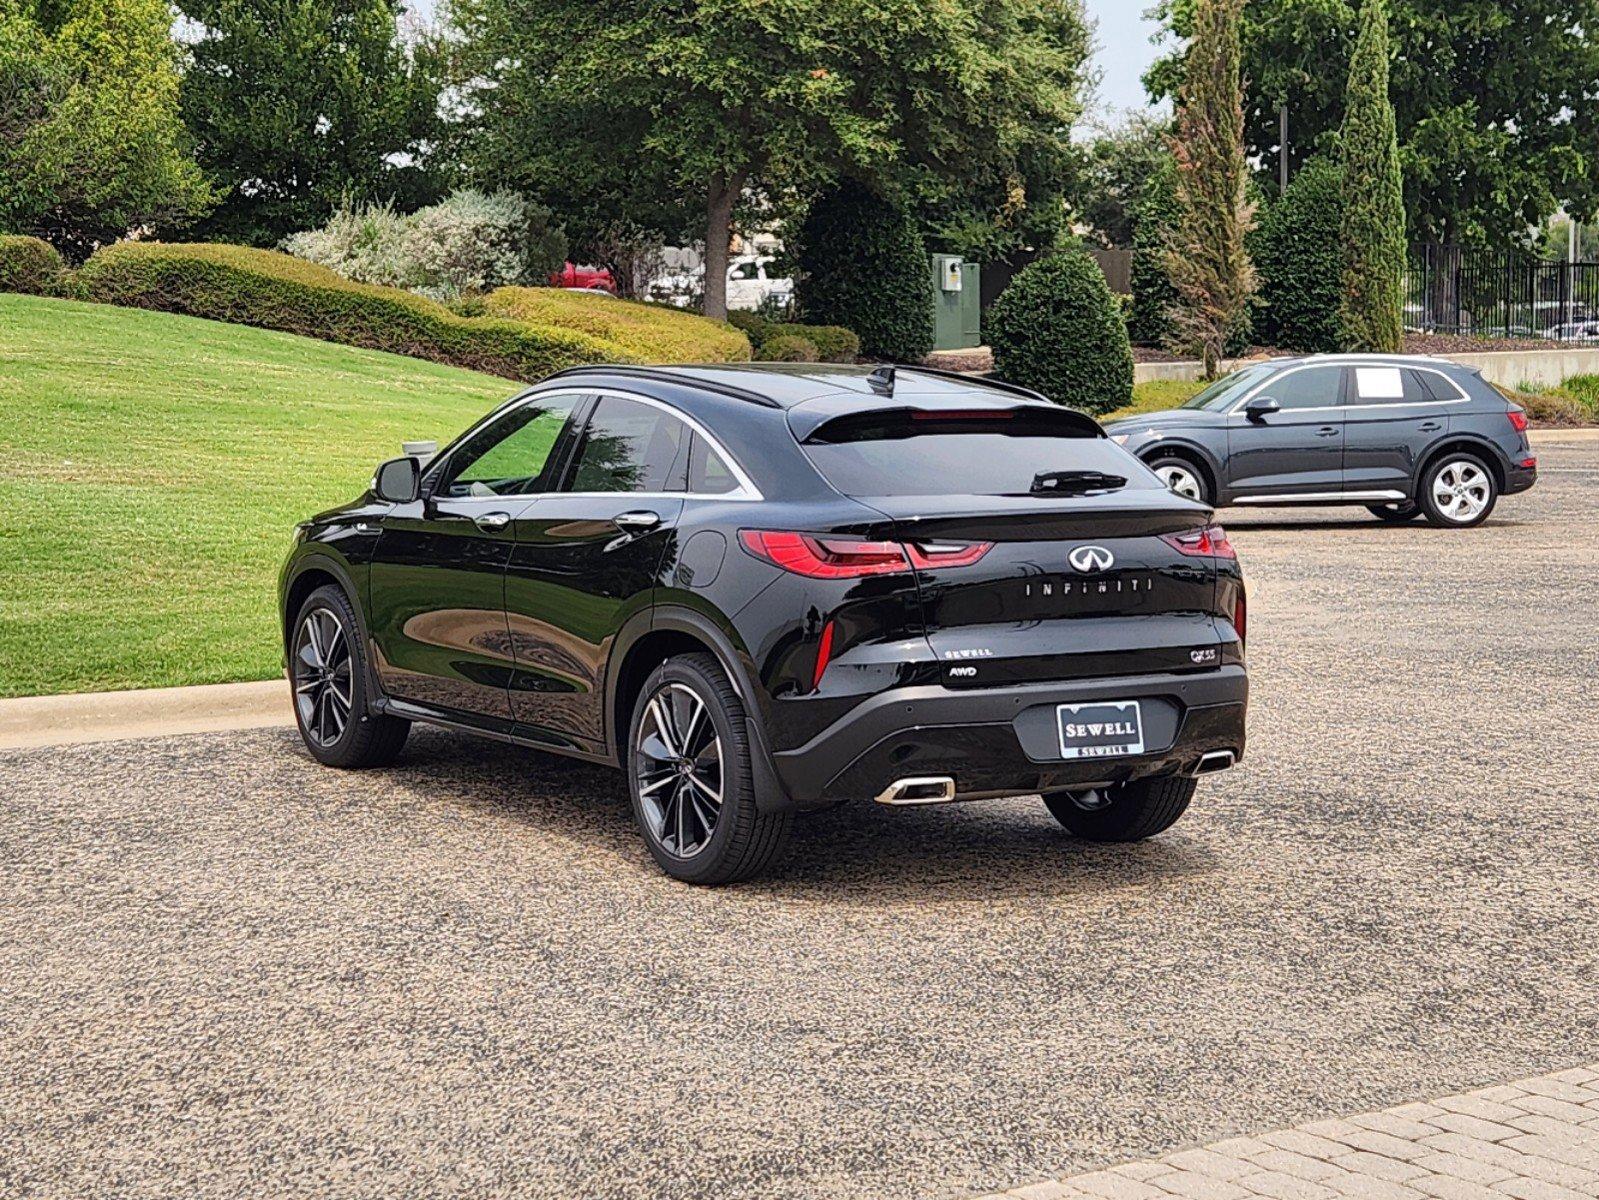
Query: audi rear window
(1005, 452)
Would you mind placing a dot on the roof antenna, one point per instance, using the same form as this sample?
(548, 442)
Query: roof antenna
(881, 381)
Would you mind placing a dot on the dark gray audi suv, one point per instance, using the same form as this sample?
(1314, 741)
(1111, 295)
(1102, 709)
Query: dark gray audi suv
(1406, 437)
(761, 591)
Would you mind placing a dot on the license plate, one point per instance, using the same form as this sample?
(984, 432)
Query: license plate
(1108, 730)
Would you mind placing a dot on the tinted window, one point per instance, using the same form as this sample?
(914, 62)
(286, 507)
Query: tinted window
(1011, 457)
(631, 447)
(747, 270)
(1219, 396)
(511, 455)
(1314, 387)
(708, 475)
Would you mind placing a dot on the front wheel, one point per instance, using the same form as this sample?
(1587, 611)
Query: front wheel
(690, 780)
(1395, 514)
(1182, 477)
(1128, 812)
(1458, 491)
(327, 669)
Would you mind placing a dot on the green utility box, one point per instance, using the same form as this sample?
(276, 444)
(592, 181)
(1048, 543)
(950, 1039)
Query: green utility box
(957, 303)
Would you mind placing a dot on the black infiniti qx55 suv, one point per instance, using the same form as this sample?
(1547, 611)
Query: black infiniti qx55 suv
(760, 591)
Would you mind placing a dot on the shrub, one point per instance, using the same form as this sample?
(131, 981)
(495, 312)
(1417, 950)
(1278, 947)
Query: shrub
(862, 265)
(651, 332)
(275, 291)
(833, 343)
(470, 242)
(1154, 297)
(1058, 330)
(1300, 261)
(787, 347)
(30, 265)
(754, 326)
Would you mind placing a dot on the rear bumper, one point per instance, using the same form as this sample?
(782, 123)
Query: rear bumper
(1519, 478)
(1004, 741)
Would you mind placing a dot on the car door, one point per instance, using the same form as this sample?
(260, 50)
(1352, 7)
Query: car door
(437, 583)
(1393, 415)
(587, 558)
(1297, 450)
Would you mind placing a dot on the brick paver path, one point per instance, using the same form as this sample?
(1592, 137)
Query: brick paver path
(1533, 1140)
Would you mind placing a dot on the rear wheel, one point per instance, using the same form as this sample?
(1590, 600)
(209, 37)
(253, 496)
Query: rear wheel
(1458, 491)
(1395, 514)
(1182, 476)
(1128, 812)
(689, 777)
(327, 669)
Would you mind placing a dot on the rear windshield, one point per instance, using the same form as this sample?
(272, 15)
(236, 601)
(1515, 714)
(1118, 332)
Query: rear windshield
(983, 456)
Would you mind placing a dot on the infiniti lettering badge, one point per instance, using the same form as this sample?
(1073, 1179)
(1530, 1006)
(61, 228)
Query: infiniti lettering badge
(1088, 559)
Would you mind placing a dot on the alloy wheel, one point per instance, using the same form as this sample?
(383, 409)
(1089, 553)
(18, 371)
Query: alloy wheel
(1461, 490)
(323, 676)
(1181, 480)
(678, 770)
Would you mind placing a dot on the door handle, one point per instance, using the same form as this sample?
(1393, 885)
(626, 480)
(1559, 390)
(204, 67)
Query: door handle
(636, 523)
(1431, 427)
(1327, 431)
(492, 522)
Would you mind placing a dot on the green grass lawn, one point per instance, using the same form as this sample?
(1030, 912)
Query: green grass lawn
(153, 469)
(1156, 396)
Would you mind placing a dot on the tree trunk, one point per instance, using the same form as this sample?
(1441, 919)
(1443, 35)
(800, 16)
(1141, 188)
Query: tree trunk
(722, 196)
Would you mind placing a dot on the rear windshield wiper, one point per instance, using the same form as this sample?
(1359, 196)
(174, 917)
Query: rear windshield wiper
(1075, 483)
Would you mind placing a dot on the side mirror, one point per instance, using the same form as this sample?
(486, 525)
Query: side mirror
(1260, 408)
(398, 481)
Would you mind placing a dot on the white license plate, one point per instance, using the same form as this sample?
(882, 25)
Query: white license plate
(1112, 729)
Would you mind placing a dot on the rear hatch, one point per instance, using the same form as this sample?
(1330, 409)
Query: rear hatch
(1042, 550)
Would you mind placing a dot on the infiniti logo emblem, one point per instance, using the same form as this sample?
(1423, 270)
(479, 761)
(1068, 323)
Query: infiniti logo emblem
(1088, 559)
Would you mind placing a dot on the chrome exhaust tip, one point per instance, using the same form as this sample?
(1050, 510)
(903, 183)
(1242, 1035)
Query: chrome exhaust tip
(929, 789)
(1216, 760)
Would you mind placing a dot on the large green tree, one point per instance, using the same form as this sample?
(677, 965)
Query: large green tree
(1497, 112)
(91, 146)
(1372, 311)
(298, 105)
(1206, 260)
(672, 116)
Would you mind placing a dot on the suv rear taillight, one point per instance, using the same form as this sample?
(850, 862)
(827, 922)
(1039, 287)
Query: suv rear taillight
(1210, 542)
(1241, 618)
(818, 557)
(1518, 420)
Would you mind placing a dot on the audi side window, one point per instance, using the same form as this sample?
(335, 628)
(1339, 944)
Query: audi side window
(1315, 387)
(708, 475)
(631, 447)
(511, 456)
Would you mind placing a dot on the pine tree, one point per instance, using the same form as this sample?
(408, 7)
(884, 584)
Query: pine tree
(1207, 261)
(1374, 217)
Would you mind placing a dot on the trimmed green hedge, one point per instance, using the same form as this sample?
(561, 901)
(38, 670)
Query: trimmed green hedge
(657, 333)
(833, 343)
(1058, 330)
(30, 266)
(276, 291)
(789, 348)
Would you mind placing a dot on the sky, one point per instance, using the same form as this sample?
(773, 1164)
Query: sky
(1125, 51)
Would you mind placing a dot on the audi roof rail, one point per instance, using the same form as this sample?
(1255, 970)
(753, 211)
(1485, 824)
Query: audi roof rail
(729, 390)
(987, 381)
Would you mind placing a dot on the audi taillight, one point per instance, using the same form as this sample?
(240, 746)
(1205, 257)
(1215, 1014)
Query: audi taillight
(818, 557)
(1241, 618)
(1210, 542)
(1518, 420)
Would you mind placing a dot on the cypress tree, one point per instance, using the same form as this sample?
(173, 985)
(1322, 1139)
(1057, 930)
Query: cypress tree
(1373, 238)
(1207, 261)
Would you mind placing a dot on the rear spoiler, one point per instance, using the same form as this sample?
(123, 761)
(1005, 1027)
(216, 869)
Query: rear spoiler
(825, 425)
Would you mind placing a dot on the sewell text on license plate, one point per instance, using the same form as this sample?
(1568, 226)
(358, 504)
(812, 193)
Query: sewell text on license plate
(1109, 729)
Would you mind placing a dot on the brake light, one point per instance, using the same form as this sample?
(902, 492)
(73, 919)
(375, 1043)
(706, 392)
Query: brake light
(1210, 542)
(1241, 618)
(1518, 420)
(824, 653)
(818, 557)
(964, 414)
(1529, 464)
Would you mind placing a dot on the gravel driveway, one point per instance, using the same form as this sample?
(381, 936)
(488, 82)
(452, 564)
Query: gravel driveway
(225, 971)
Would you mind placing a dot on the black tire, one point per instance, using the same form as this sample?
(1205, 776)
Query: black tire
(366, 739)
(1134, 811)
(1199, 489)
(742, 842)
(1395, 514)
(1482, 491)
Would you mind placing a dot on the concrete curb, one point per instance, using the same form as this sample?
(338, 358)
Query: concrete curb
(31, 721)
(1545, 437)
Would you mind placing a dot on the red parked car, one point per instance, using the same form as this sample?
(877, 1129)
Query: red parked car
(587, 278)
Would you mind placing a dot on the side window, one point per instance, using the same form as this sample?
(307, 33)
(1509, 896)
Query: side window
(1389, 385)
(708, 475)
(511, 456)
(745, 270)
(631, 447)
(1315, 387)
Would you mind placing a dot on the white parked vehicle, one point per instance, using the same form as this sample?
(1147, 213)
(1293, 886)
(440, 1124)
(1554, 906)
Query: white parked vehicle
(750, 280)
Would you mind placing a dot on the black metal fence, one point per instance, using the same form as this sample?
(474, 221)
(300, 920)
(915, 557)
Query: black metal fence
(1497, 294)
